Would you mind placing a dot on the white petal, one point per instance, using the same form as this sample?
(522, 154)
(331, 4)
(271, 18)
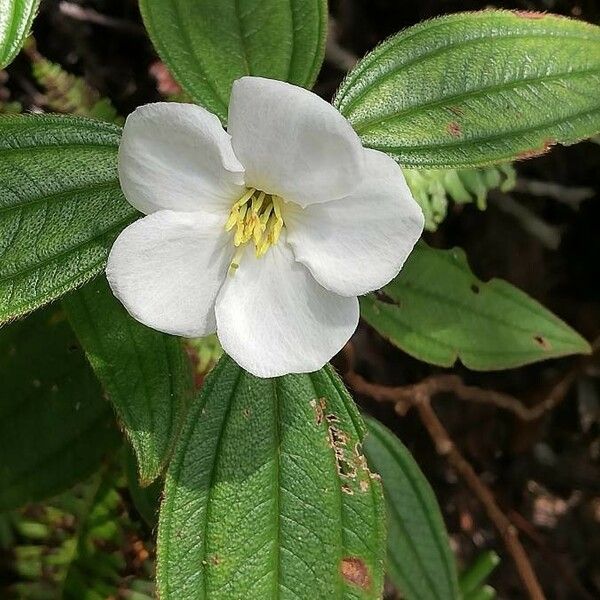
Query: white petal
(273, 318)
(358, 243)
(167, 269)
(291, 142)
(178, 157)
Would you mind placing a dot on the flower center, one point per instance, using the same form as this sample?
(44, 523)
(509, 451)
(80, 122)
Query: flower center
(256, 217)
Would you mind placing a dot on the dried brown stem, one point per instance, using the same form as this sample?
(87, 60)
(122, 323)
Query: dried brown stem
(402, 396)
(419, 396)
(89, 15)
(438, 384)
(507, 530)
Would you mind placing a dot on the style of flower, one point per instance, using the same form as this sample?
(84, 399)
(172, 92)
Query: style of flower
(266, 233)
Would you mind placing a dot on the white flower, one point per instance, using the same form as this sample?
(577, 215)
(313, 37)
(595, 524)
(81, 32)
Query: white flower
(265, 234)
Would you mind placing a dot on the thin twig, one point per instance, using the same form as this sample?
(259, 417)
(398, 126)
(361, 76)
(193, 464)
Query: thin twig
(419, 397)
(439, 384)
(507, 530)
(335, 53)
(89, 15)
(548, 235)
(402, 396)
(570, 195)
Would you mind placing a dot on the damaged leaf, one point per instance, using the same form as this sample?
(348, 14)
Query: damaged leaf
(269, 493)
(477, 88)
(438, 312)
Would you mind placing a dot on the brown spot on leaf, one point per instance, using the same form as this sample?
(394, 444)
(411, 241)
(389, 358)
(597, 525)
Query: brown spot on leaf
(542, 341)
(537, 151)
(331, 418)
(347, 490)
(355, 571)
(475, 288)
(456, 110)
(319, 405)
(350, 462)
(454, 129)
(529, 14)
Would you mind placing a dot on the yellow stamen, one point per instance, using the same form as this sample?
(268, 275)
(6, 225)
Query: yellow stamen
(233, 217)
(239, 233)
(249, 193)
(257, 202)
(256, 216)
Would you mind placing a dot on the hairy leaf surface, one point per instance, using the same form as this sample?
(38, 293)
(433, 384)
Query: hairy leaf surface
(269, 496)
(61, 206)
(208, 45)
(146, 374)
(477, 88)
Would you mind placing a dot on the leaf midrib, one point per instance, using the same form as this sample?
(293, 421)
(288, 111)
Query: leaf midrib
(102, 235)
(66, 194)
(469, 309)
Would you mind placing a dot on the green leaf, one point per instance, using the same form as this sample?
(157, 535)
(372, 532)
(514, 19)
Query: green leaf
(483, 593)
(477, 88)
(208, 45)
(55, 426)
(438, 311)
(97, 558)
(269, 496)
(147, 374)
(16, 17)
(419, 560)
(60, 207)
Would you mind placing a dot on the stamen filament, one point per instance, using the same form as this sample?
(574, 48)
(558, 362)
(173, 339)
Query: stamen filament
(235, 261)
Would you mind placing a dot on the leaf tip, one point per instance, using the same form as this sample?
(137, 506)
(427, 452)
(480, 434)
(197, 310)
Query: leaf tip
(586, 347)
